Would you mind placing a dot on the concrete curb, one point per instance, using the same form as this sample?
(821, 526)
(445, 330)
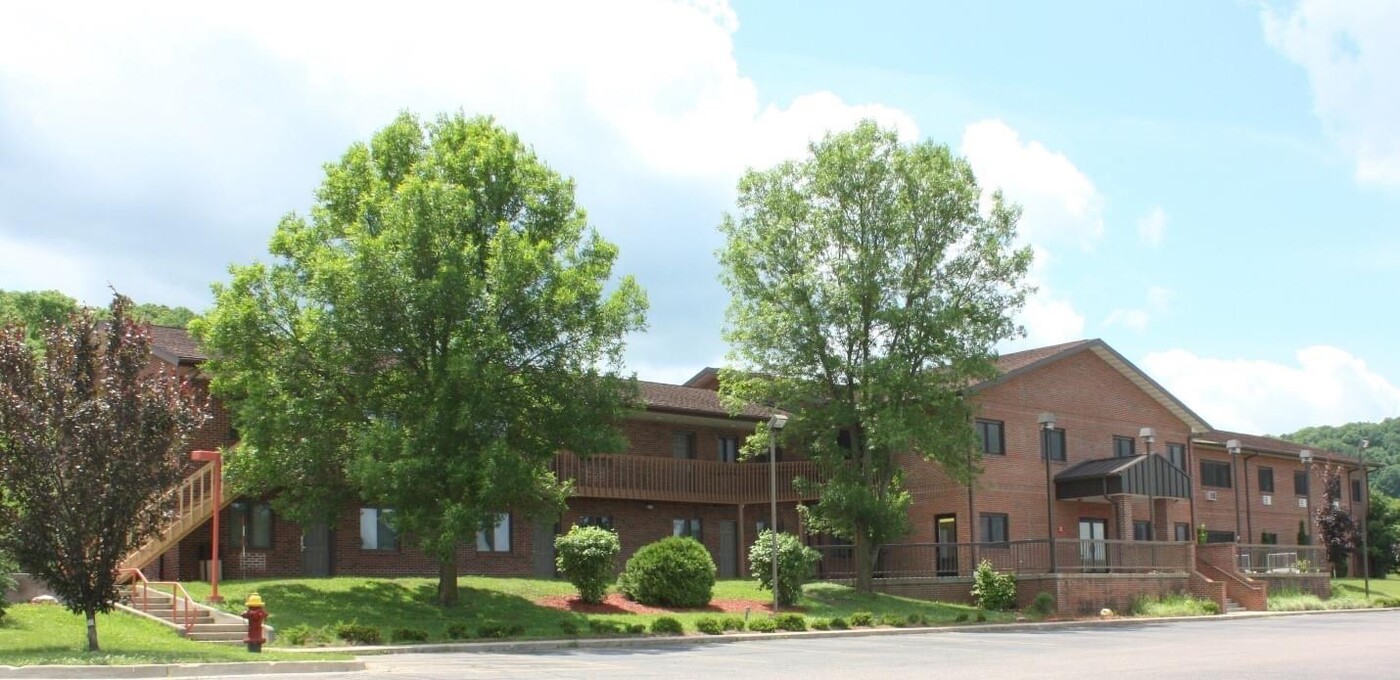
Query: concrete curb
(533, 646)
(182, 670)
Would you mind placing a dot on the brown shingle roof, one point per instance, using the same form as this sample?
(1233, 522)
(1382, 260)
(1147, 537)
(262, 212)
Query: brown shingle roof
(1014, 361)
(696, 400)
(1254, 442)
(176, 344)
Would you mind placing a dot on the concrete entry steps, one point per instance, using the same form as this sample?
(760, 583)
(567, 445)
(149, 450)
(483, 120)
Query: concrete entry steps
(210, 625)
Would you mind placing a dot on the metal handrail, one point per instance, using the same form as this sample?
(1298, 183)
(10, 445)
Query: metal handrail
(177, 593)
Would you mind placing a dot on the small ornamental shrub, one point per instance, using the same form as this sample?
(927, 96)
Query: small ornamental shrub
(666, 625)
(587, 557)
(673, 572)
(409, 635)
(358, 634)
(1210, 607)
(458, 631)
(605, 626)
(1042, 605)
(992, 589)
(861, 619)
(981, 616)
(892, 620)
(961, 618)
(792, 622)
(636, 628)
(838, 623)
(915, 619)
(709, 625)
(733, 623)
(569, 628)
(763, 625)
(302, 635)
(820, 624)
(795, 564)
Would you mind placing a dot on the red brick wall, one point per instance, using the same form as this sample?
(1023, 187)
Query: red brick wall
(1282, 515)
(1092, 402)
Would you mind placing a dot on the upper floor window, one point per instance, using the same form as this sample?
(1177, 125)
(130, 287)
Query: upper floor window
(1215, 473)
(375, 531)
(497, 538)
(1266, 480)
(1356, 490)
(1176, 455)
(250, 525)
(1124, 447)
(1300, 482)
(683, 445)
(990, 433)
(1055, 443)
(728, 449)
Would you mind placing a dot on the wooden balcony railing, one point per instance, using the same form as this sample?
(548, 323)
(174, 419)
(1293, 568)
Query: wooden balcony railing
(640, 477)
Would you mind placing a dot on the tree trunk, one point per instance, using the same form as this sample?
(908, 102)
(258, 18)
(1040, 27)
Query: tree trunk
(447, 581)
(864, 564)
(90, 613)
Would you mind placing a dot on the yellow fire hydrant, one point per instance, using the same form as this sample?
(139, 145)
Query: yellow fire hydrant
(255, 615)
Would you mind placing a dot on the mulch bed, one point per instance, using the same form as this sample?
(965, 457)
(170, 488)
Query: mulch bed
(617, 604)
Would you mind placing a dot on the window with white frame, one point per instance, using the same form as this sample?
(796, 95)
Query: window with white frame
(497, 538)
(376, 533)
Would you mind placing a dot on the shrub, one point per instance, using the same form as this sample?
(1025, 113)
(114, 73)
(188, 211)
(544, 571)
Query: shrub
(892, 620)
(636, 628)
(793, 622)
(916, 619)
(458, 631)
(1210, 607)
(673, 572)
(733, 623)
(795, 564)
(839, 623)
(709, 625)
(569, 628)
(821, 624)
(358, 634)
(666, 625)
(961, 618)
(493, 630)
(605, 626)
(301, 635)
(981, 616)
(993, 590)
(409, 635)
(1042, 605)
(763, 625)
(859, 619)
(7, 582)
(587, 557)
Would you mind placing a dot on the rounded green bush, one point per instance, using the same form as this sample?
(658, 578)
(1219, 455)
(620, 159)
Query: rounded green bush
(862, 619)
(587, 556)
(709, 625)
(793, 622)
(762, 625)
(733, 623)
(672, 572)
(795, 564)
(839, 623)
(666, 625)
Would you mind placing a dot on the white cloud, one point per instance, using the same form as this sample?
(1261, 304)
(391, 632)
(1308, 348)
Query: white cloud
(1158, 301)
(1327, 386)
(1152, 226)
(1059, 201)
(1048, 317)
(1352, 60)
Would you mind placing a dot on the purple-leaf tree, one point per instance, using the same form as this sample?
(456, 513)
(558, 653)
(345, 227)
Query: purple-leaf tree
(91, 438)
(1334, 523)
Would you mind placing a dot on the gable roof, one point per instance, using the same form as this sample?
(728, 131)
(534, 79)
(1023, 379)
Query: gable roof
(175, 345)
(1019, 363)
(1265, 444)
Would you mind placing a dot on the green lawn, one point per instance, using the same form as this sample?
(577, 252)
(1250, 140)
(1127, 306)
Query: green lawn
(389, 604)
(46, 634)
(1379, 587)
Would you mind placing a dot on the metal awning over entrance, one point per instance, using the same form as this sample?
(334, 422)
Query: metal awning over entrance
(1144, 475)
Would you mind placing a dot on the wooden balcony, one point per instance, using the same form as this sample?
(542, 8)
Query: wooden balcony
(655, 478)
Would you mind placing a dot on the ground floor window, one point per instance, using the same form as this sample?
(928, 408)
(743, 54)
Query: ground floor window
(995, 527)
(604, 521)
(1268, 538)
(497, 538)
(1220, 537)
(1142, 530)
(250, 525)
(375, 531)
(1182, 531)
(686, 527)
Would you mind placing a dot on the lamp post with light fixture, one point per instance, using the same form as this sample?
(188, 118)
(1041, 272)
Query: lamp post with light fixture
(1147, 435)
(1306, 457)
(1047, 426)
(775, 425)
(1233, 446)
(1365, 520)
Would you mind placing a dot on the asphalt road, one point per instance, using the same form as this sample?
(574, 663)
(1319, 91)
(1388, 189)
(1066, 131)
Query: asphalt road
(1361, 645)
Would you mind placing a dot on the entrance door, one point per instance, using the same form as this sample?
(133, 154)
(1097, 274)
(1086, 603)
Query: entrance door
(1093, 552)
(316, 550)
(728, 549)
(946, 531)
(542, 548)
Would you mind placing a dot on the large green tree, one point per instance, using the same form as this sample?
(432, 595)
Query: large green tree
(90, 439)
(870, 286)
(1384, 439)
(439, 327)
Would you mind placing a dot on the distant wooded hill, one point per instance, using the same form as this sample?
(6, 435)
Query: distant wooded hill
(34, 309)
(1385, 447)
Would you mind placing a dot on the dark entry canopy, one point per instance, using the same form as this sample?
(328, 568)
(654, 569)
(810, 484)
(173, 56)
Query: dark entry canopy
(1145, 475)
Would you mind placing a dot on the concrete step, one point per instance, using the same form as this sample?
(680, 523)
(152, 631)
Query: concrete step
(198, 636)
(221, 627)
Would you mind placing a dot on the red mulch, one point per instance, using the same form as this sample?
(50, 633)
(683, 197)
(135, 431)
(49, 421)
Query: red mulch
(617, 604)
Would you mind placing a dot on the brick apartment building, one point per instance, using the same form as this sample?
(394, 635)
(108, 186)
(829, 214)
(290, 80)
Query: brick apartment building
(1112, 505)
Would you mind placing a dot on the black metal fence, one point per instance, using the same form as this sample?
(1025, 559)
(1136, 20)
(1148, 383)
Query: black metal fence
(1032, 556)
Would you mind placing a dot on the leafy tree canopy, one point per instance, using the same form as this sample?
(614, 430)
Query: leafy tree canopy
(1384, 449)
(426, 339)
(869, 287)
(40, 309)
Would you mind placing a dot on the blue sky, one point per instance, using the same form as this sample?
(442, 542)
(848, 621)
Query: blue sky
(1211, 187)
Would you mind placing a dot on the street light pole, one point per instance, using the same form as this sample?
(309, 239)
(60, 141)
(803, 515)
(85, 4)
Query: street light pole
(1306, 456)
(1365, 521)
(775, 425)
(1233, 446)
(1148, 434)
(1047, 426)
